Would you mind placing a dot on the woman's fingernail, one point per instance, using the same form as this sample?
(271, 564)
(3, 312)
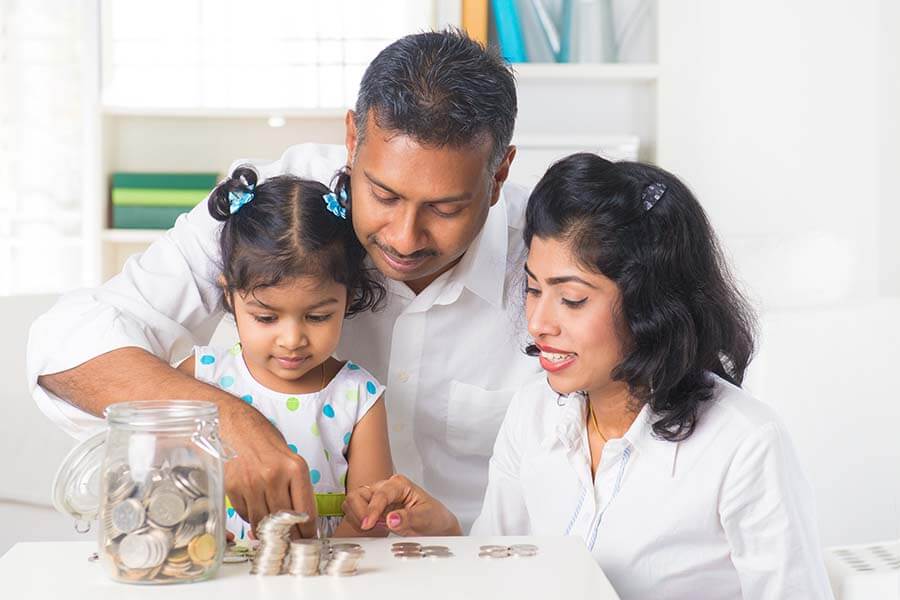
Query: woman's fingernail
(365, 522)
(393, 520)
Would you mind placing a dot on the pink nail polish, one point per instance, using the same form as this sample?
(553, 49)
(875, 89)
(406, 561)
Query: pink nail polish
(393, 520)
(365, 522)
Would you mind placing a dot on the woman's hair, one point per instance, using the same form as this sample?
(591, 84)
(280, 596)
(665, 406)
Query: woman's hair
(680, 313)
(286, 230)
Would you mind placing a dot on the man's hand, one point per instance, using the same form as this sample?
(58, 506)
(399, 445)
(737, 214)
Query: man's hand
(407, 509)
(266, 476)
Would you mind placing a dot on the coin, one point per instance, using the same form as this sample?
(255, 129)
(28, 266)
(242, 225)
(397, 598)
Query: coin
(202, 548)
(127, 515)
(492, 554)
(489, 547)
(166, 508)
(434, 549)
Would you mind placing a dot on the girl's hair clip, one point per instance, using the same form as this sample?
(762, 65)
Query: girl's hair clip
(334, 206)
(652, 194)
(238, 200)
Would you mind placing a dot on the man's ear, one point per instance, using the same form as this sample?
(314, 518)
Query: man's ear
(350, 135)
(501, 174)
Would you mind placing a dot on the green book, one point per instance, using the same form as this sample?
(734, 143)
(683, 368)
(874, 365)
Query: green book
(176, 181)
(146, 217)
(158, 197)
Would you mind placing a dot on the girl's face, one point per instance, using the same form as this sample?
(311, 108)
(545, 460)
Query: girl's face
(572, 318)
(288, 330)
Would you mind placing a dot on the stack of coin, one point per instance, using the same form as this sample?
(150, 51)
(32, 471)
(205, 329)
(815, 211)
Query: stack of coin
(493, 551)
(345, 559)
(304, 557)
(274, 535)
(415, 551)
(163, 527)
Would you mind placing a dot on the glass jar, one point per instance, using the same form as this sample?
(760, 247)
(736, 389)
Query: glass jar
(154, 481)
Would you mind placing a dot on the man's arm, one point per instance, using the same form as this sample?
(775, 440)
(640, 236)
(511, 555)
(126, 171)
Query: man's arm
(264, 477)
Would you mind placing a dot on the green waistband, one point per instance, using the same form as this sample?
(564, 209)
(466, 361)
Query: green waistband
(330, 505)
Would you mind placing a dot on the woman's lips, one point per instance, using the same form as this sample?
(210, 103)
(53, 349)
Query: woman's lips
(554, 360)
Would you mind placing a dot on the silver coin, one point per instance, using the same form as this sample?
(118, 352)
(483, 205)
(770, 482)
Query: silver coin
(523, 547)
(128, 515)
(345, 546)
(493, 554)
(489, 547)
(438, 555)
(135, 551)
(166, 508)
(435, 549)
(523, 553)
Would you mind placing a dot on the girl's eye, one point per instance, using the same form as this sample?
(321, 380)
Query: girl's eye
(319, 318)
(574, 303)
(530, 291)
(266, 319)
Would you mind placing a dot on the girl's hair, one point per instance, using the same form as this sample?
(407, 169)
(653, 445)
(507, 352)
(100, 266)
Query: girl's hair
(286, 230)
(680, 313)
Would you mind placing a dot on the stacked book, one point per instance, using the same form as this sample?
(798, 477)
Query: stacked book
(154, 200)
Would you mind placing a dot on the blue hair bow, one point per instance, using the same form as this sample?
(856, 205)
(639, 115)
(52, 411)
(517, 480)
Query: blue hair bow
(333, 206)
(239, 200)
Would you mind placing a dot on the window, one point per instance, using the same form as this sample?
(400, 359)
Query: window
(45, 79)
(248, 54)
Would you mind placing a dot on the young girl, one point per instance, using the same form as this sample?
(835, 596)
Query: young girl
(292, 271)
(640, 441)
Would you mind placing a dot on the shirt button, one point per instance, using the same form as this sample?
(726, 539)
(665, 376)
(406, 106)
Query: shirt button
(403, 376)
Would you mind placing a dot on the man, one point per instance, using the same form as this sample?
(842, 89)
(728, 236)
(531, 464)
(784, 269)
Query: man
(428, 150)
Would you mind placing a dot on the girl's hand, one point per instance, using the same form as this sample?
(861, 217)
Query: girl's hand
(406, 508)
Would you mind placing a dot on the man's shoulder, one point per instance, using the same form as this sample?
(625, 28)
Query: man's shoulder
(515, 196)
(318, 162)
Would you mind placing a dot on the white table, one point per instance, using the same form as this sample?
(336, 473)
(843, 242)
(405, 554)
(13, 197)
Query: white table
(563, 568)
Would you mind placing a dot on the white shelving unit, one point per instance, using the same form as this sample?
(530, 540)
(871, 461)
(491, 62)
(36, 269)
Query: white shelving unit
(563, 108)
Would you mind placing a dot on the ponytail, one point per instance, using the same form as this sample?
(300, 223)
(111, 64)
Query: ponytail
(242, 181)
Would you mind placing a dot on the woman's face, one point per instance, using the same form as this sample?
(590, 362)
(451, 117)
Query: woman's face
(572, 318)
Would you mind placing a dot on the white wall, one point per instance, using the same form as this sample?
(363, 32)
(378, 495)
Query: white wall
(775, 113)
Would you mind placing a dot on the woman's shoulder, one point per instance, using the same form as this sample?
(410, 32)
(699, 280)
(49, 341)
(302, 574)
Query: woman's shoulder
(736, 415)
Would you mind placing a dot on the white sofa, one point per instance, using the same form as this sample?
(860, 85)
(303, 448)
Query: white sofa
(32, 447)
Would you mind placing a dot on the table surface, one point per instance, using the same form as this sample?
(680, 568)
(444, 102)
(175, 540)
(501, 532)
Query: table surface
(563, 568)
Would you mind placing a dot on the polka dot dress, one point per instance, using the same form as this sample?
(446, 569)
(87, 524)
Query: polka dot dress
(316, 426)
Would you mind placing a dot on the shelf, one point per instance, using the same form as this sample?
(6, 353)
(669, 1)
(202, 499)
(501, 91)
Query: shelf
(131, 236)
(193, 112)
(586, 71)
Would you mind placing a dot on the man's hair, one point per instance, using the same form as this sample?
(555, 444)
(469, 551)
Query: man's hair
(442, 89)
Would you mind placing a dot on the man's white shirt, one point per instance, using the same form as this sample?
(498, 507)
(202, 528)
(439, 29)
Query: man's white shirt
(451, 357)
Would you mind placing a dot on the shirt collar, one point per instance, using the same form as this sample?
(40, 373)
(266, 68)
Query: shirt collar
(639, 437)
(482, 269)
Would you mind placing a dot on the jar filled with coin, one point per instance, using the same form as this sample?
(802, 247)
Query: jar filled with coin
(154, 482)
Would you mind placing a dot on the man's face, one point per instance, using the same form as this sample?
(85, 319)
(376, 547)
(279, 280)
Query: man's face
(416, 209)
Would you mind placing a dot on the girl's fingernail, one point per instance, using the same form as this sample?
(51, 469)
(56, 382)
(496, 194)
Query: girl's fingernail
(365, 523)
(393, 520)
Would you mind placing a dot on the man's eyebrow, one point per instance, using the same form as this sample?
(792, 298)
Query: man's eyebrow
(561, 280)
(447, 199)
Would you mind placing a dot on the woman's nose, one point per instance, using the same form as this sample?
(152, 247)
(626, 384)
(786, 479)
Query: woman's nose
(541, 319)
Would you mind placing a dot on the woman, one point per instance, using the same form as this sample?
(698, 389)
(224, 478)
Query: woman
(640, 441)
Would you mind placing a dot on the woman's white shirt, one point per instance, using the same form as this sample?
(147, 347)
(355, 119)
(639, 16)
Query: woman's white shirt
(727, 513)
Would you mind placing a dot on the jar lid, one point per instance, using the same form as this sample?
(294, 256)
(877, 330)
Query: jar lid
(76, 486)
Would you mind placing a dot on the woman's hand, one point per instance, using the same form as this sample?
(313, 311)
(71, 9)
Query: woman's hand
(403, 506)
